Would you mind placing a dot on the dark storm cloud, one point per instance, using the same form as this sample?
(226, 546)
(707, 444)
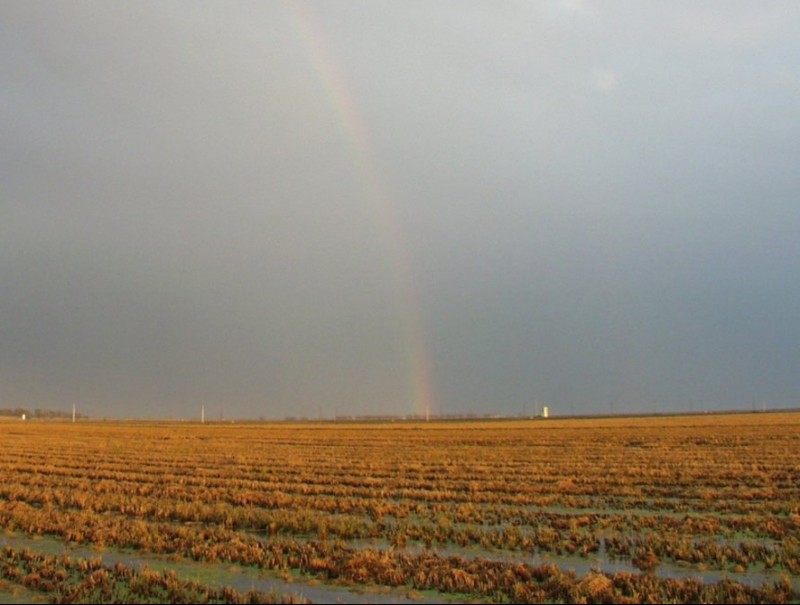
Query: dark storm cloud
(598, 203)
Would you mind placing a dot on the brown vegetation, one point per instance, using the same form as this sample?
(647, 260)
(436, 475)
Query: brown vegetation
(721, 492)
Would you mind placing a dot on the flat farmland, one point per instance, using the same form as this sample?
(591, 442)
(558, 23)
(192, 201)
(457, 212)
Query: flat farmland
(702, 508)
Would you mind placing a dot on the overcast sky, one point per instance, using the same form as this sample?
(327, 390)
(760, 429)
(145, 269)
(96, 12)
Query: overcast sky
(278, 209)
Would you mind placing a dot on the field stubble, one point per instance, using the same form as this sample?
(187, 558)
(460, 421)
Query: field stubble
(694, 508)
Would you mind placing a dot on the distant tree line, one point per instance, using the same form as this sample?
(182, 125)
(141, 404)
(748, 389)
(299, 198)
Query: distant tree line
(37, 413)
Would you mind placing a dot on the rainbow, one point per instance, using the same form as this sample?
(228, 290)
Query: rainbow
(380, 204)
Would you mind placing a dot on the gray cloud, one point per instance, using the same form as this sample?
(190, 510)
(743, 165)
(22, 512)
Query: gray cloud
(202, 203)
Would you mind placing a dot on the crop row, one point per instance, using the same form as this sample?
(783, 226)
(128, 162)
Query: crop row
(248, 508)
(776, 500)
(496, 580)
(309, 497)
(68, 580)
(645, 551)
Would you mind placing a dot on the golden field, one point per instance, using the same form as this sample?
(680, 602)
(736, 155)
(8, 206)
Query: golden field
(682, 508)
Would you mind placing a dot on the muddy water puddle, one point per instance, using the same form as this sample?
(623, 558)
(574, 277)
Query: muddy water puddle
(12, 594)
(239, 578)
(756, 576)
(244, 579)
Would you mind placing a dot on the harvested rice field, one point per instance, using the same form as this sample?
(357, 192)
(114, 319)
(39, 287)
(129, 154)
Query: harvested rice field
(701, 508)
